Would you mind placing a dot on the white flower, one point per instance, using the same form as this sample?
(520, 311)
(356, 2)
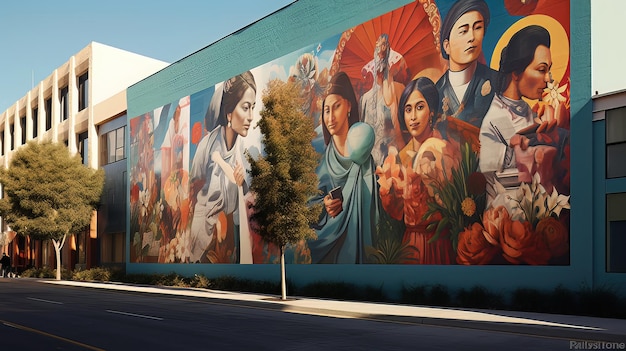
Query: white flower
(553, 94)
(556, 202)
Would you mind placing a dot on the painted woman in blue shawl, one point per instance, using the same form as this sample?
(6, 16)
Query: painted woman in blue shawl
(348, 221)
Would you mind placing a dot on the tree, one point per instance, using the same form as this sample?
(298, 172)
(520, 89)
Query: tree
(49, 194)
(283, 178)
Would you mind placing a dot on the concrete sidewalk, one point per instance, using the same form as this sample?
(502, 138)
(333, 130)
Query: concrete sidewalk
(580, 328)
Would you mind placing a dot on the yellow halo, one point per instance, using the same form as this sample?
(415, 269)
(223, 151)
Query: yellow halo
(559, 43)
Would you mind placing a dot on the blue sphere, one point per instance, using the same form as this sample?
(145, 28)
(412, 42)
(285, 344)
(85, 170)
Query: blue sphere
(360, 142)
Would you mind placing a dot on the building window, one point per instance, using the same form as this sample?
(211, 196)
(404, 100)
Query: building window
(35, 121)
(615, 233)
(48, 110)
(2, 142)
(64, 102)
(83, 91)
(23, 127)
(12, 136)
(114, 145)
(616, 142)
(82, 146)
(113, 248)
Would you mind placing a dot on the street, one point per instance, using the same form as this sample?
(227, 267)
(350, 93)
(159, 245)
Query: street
(39, 316)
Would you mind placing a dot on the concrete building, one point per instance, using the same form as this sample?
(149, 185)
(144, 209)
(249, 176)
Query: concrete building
(173, 118)
(82, 104)
(309, 42)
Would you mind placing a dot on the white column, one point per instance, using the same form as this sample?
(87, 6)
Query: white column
(91, 127)
(56, 119)
(72, 106)
(16, 126)
(41, 115)
(29, 118)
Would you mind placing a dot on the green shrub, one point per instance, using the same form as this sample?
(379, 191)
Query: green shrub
(562, 300)
(479, 297)
(93, 274)
(201, 281)
(531, 300)
(600, 302)
(44, 272)
(433, 295)
(230, 283)
(342, 291)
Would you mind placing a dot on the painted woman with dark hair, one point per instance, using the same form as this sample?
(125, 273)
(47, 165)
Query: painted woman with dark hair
(347, 182)
(524, 73)
(218, 168)
(406, 188)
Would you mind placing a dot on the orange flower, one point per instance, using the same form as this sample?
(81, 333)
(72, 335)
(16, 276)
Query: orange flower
(556, 235)
(520, 244)
(196, 133)
(391, 181)
(493, 220)
(473, 247)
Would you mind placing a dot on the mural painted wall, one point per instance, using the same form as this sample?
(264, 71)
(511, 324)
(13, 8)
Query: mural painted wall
(443, 129)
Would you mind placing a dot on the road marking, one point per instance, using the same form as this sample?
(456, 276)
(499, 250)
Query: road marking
(17, 326)
(135, 315)
(42, 300)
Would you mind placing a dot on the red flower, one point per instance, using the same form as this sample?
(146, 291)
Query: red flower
(555, 235)
(473, 247)
(134, 194)
(520, 244)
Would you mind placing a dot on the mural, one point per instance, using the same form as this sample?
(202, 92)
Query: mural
(443, 130)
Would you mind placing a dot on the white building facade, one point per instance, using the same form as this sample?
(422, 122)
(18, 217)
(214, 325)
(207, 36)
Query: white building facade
(70, 106)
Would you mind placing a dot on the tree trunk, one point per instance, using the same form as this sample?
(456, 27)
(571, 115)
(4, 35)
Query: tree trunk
(57, 249)
(283, 275)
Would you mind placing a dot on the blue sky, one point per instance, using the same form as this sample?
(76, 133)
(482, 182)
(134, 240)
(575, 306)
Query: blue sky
(37, 36)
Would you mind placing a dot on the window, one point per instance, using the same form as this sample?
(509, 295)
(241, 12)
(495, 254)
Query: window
(114, 145)
(616, 142)
(2, 142)
(48, 110)
(12, 136)
(616, 233)
(23, 127)
(63, 101)
(35, 121)
(82, 146)
(112, 248)
(83, 91)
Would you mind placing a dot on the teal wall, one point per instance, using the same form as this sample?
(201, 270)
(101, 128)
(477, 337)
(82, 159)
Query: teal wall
(305, 22)
(295, 26)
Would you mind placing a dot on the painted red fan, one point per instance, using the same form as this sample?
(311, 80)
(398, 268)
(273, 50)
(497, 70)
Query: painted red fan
(413, 32)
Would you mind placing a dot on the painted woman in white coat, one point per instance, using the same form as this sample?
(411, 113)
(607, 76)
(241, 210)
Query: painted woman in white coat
(217, 174)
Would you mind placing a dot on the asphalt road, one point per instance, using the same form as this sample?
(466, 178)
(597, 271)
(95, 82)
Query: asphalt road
(36, 316)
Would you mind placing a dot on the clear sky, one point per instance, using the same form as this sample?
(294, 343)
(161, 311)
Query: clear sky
(608, 50)
(37, 36)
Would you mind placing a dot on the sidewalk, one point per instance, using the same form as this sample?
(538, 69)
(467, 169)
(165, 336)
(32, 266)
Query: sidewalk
(567, 327)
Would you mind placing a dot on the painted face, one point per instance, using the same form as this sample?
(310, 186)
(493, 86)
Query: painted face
(417, 116)
(536, 76)
(380, 54)
(241, 117)
(466, 40)
(336, 110)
